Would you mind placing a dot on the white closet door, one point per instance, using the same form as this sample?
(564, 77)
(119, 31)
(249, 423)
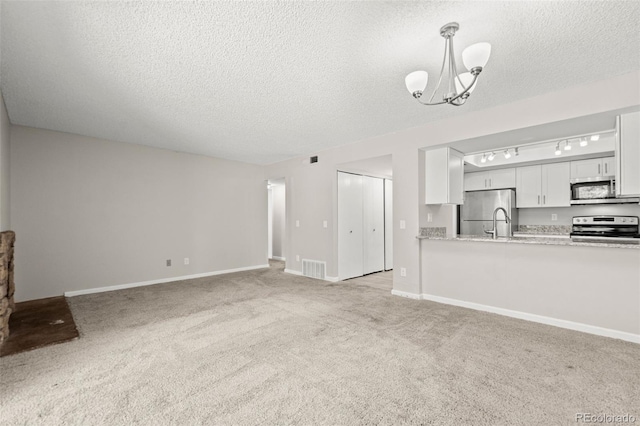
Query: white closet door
(350, 226)
(388, 224)
(373, 203)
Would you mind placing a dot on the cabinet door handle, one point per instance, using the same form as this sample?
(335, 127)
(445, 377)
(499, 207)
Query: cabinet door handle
(544, 199)
(538, 199)
(490, 185)
(598, 168)
(605, 168)
(485, 183)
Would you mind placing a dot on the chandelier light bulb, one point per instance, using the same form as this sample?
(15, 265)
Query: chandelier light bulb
(507, 154)
(484, 158)
(416, 82)
(491, 156)
(466, 79)
(595, 137)
(567, 146)
(476, 55)
(558, 152)
(584, 142)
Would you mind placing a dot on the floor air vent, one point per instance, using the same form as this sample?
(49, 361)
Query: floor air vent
(313, 268)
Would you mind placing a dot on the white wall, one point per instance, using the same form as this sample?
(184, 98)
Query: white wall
(592, 289)
(278, 220)
(92, 213)
(312, 187)
(5, 134)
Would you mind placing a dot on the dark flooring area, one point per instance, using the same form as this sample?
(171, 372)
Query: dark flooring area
(39, 323)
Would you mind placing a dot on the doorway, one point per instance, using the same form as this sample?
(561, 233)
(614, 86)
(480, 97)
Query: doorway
(276, 219)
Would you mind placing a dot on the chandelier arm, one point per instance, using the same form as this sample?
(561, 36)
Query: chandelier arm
(466, 89)
(452, 67)
(455, 68)
(444, 61)
(431, 103)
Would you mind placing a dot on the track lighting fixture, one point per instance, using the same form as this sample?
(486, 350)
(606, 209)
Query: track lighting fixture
(558, 152)
(491, 156)
(584, 142)
(595, 137)
(484, 158)
(507, 154)
(567, 146)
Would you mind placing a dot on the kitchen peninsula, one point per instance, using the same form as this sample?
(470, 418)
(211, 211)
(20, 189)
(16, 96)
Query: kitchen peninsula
(591, 287)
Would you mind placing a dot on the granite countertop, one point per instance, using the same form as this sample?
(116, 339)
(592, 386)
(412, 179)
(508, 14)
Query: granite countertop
(561, 240)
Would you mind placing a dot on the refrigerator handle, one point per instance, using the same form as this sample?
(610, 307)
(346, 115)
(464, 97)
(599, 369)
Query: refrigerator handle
(538, 199)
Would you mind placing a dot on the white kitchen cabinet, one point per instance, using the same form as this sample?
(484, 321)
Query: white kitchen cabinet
(491, 179)
(593, 168)
(609, 166)
(444, 171)
(556, 188)
(545, 185)
(528, 186)
(628, 155)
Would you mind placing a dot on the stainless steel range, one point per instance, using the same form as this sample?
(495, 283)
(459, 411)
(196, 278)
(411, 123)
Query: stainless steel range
(616, 229)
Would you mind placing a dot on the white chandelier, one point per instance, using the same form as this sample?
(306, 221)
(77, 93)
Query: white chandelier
(460, 86)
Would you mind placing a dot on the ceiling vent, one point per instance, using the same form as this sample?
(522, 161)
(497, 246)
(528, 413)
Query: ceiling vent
(313, 159)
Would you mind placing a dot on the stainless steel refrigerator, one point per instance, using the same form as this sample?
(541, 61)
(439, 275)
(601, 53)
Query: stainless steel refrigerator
(476, 213)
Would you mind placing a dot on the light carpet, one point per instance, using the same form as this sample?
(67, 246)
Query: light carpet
(265, 347)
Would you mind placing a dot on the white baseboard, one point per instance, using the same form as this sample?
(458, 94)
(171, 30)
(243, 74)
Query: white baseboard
(159, 281)
(278, 258)
(326, 278)
(576, 326)
(585, 328)
(407, 295)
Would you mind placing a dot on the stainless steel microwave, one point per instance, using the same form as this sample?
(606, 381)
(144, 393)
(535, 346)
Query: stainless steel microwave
(597, 192)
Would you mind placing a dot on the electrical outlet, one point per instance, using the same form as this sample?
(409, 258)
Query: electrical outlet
(429, 217)
(186, 260)
(297, 258)
(403, 272)
(403, 224)
(324, 223)
(297, 224)
(168, 262)
(554, 216)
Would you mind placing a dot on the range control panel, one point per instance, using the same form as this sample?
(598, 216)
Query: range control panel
(605, 220)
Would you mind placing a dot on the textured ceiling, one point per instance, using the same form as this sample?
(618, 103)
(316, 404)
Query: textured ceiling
(265, 81)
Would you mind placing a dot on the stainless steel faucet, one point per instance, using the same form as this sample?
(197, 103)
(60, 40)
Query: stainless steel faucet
(494, 231)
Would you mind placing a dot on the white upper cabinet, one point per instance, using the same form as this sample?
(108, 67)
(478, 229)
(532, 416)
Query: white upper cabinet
(546, 185)
(492, 179)
(556, 188)
(594, 168)
(628, 155)
(529, 186)
(443, 176)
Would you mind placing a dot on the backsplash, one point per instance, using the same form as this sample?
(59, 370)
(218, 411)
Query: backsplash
(434, 231)
(542, 216)
(544, 229)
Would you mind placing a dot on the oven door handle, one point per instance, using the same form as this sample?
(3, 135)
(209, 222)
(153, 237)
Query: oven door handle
(607, 239)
